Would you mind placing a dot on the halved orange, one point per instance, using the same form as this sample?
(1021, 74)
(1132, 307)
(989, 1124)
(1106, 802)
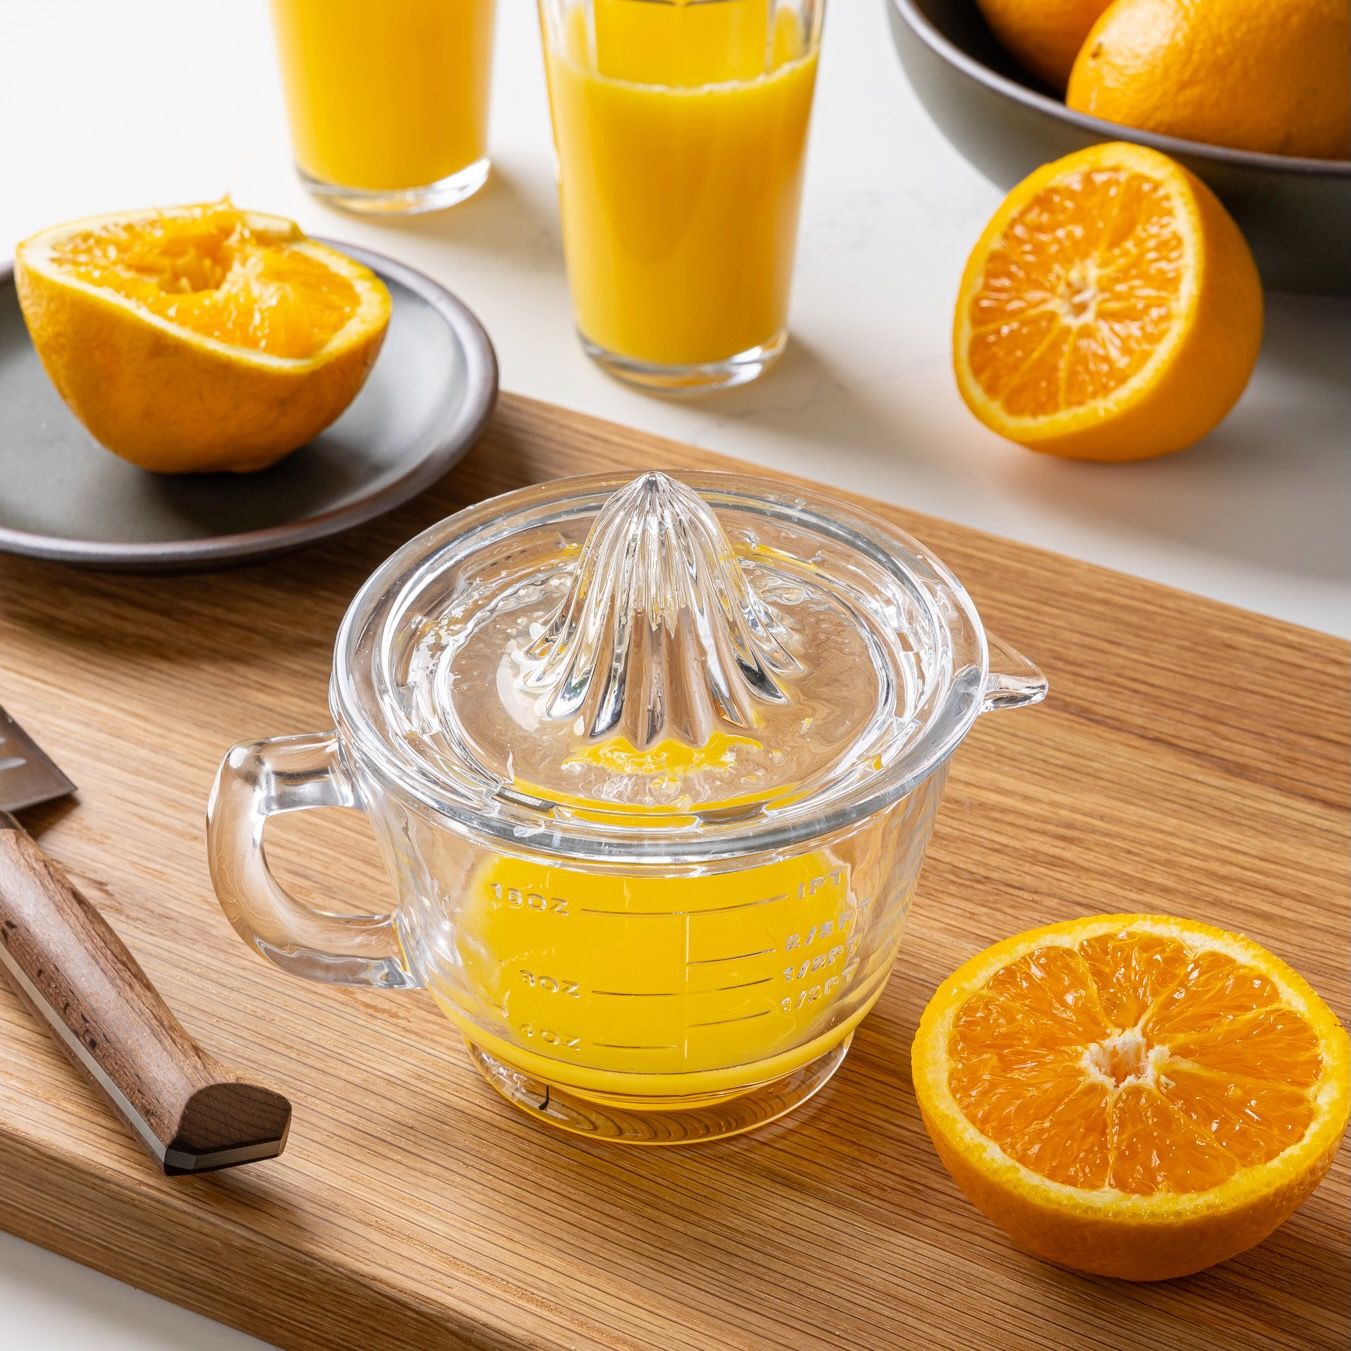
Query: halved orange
(200, 337)
(1111, 309)
(1132, 1095)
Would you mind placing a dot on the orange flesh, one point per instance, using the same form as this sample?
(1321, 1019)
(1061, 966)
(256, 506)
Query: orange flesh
(210, 273)
(1133, 1063)
(1078, 293)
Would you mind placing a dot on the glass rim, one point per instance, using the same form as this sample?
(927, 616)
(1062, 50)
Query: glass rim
(551, 13)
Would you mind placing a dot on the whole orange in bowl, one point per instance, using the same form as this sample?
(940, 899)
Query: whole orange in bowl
(1295, 211)
(1250, 74)
(1110, 310)
(199, 338)
(1043, 36)
(1136, 1096)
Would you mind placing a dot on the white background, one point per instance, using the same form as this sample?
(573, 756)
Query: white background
(110, 104)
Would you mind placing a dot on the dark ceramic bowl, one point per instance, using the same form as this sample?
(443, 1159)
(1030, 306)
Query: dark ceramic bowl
(1296, 213)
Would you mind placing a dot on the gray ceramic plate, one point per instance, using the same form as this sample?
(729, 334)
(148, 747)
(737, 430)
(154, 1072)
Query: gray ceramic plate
(1296, 213)
(65, 498)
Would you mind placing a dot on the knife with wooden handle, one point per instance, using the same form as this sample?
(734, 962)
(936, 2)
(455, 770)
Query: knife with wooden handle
(63, 958)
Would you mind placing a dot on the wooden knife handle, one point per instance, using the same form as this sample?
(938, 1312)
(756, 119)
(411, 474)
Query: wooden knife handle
(60, 954)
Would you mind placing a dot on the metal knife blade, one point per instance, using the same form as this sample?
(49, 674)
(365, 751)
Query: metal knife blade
(27, 775)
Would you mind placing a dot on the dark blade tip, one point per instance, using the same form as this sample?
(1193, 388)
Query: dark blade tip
(178, 1163)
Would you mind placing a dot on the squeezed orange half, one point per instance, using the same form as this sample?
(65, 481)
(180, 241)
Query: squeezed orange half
(200, 337)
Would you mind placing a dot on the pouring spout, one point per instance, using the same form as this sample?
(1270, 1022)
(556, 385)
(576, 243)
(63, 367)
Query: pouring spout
(1013, 681)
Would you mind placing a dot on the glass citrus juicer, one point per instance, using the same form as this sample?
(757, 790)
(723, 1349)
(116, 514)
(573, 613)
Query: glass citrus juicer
(653, 765)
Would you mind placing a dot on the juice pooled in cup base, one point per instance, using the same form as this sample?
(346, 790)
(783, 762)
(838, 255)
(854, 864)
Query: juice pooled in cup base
(619, 984)
(680, 132)
(386, 97)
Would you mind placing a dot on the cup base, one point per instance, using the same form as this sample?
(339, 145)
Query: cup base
(438, 196)
(698, 378)
(665, 1121)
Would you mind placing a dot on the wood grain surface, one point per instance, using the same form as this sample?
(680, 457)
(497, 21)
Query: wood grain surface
(1191, 758)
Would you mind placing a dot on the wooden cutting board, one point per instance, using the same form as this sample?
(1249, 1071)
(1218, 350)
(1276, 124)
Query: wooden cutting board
(1191, 758)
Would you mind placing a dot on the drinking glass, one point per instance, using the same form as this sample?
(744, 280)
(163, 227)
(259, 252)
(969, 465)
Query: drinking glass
(388, 101)
(680, 129)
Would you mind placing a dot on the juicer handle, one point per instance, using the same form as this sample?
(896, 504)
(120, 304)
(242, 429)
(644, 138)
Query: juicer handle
(260, 779)
(1013, 681)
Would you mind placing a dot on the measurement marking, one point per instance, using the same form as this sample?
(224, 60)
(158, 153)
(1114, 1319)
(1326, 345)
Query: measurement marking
(624, 1046)
(734, 957)
(745, 1018)
(686, 914)
(744, 985)
(745, 905)
(634, 914)
(640, 994)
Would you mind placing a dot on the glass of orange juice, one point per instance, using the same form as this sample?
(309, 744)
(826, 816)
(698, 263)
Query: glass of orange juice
(680, 129)
(388, 101)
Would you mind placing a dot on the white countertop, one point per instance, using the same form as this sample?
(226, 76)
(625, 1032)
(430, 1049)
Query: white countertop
(112, 104)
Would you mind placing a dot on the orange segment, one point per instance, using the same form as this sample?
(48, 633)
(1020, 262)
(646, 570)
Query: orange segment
(1110, 310)
(202, 337)
(1133, 1095)
(1154, 1148)
(1251, 1120)
(1131, 971)
(1211, 989)
(1275, 1044)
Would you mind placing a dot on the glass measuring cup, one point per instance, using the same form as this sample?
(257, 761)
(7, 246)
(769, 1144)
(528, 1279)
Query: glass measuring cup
(653, 767)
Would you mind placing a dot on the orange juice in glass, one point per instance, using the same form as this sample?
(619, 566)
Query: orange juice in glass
(388, 100)
(680, 129)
